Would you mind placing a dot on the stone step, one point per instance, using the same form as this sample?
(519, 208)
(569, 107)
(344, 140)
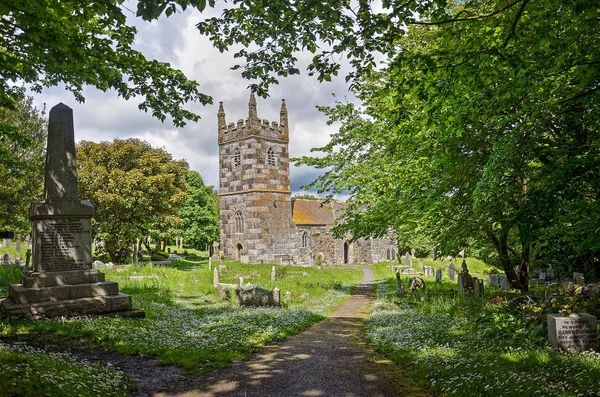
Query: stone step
(69, 307)
(52, 279)
(20, 294)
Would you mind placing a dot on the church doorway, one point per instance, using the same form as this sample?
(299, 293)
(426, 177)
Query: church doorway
(238, 251)
(346, 252)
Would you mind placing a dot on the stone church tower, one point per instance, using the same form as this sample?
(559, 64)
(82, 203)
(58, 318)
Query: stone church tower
(254, 179)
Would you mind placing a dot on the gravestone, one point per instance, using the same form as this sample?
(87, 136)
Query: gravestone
(6, 242)
(216, 277)
(465, 281)
(408, 259)
(416, 283)
(399, 287)
(452, 270)
(438, 276)
(578, 278)
(542, 276)
(573, 333)
(493, 280)
(257, 296)
(5, 259)
(215, 249)
(273, 274)
(18, 246)
(550, 274)
(209, 263)
(503, 282)
(28, 257)
(478, 288)
(63, 282)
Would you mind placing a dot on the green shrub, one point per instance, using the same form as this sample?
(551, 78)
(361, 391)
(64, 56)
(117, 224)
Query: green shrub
(491, 270)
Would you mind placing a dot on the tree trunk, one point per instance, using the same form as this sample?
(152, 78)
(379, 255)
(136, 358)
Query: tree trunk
(501, 244)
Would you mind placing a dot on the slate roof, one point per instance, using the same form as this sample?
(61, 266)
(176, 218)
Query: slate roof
(315, 212)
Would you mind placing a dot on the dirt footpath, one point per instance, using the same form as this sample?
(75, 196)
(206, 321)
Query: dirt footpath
(329, 359)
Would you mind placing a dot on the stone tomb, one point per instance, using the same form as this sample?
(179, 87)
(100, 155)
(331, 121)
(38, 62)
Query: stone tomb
(63, 281)
(573, 333)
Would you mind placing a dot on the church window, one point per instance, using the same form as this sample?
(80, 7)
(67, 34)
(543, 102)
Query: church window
(271, 156)
(237, 157)
(304, 240)
(239, 222)
(389, 254)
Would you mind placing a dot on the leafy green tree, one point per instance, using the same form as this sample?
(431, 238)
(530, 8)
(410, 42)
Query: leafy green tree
(484, 125)
(23, 177)
(134, 188)
(199, 216)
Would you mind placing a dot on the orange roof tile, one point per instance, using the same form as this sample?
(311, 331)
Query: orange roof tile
(315, 212)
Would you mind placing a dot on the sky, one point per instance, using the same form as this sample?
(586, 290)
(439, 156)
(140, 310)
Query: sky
(105, 116)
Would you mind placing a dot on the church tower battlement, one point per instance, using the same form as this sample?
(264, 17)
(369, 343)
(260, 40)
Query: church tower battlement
(254, 182)
(253, 125)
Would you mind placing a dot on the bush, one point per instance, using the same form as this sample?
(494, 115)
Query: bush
(491, 270)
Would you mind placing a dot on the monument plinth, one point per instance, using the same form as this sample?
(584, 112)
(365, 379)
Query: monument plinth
(63, 281)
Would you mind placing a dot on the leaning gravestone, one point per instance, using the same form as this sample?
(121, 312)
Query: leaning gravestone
(577, 332)
(63, 282)
(465, 281)
(399, 287)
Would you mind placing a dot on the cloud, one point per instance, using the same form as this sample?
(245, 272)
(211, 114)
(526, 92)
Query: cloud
(105, 116)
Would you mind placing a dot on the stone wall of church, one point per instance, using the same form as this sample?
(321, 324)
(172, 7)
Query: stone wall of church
(266, 225)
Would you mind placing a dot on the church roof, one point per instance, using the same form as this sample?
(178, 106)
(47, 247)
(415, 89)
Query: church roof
(315, 212)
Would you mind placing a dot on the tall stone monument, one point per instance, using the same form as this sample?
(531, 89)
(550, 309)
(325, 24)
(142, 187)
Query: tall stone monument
(63, 281)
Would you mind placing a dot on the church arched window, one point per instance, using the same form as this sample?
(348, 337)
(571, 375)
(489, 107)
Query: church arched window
(239, 222)
(271, 156)
(389, 254)
(304, 240)
(237, 157)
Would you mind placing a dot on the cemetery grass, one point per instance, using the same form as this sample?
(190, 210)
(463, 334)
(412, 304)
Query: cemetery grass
(186, 324)
(468, 347)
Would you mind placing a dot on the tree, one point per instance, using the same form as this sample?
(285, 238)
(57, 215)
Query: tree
(483, 125)
(23, 177)
(134, 188)
(199, 216)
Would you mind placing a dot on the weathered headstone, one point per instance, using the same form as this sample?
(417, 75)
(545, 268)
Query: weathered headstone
(5, 259)
(542, 276)
(6, 242)
(573, 333)
(452, 270)
(28, 257)
(241, 282)
(18, 246)
(578, 278)
(273, 274)
(63, 282)
(408, 259)
(438, 276)
(216, 277)
(215, 249)
(503, 282)
(465, 281)
(493, 280)
(550, 273)
(416, 283)
(209, 263)
(399, 287)
(257, 296)
(478, 288)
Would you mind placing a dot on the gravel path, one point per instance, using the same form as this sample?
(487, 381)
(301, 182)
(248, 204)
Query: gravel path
(329, 359)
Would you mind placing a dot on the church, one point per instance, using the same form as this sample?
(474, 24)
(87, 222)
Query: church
(260, 221)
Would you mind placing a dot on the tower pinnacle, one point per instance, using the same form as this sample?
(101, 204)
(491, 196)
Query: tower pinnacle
(252, 109)
(221, 117)
(283, 117)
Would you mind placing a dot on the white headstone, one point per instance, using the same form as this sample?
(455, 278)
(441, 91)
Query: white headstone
(573, 333)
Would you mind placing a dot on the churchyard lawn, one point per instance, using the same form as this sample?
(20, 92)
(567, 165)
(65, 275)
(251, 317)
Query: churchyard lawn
(186, 325)
(469, 347)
